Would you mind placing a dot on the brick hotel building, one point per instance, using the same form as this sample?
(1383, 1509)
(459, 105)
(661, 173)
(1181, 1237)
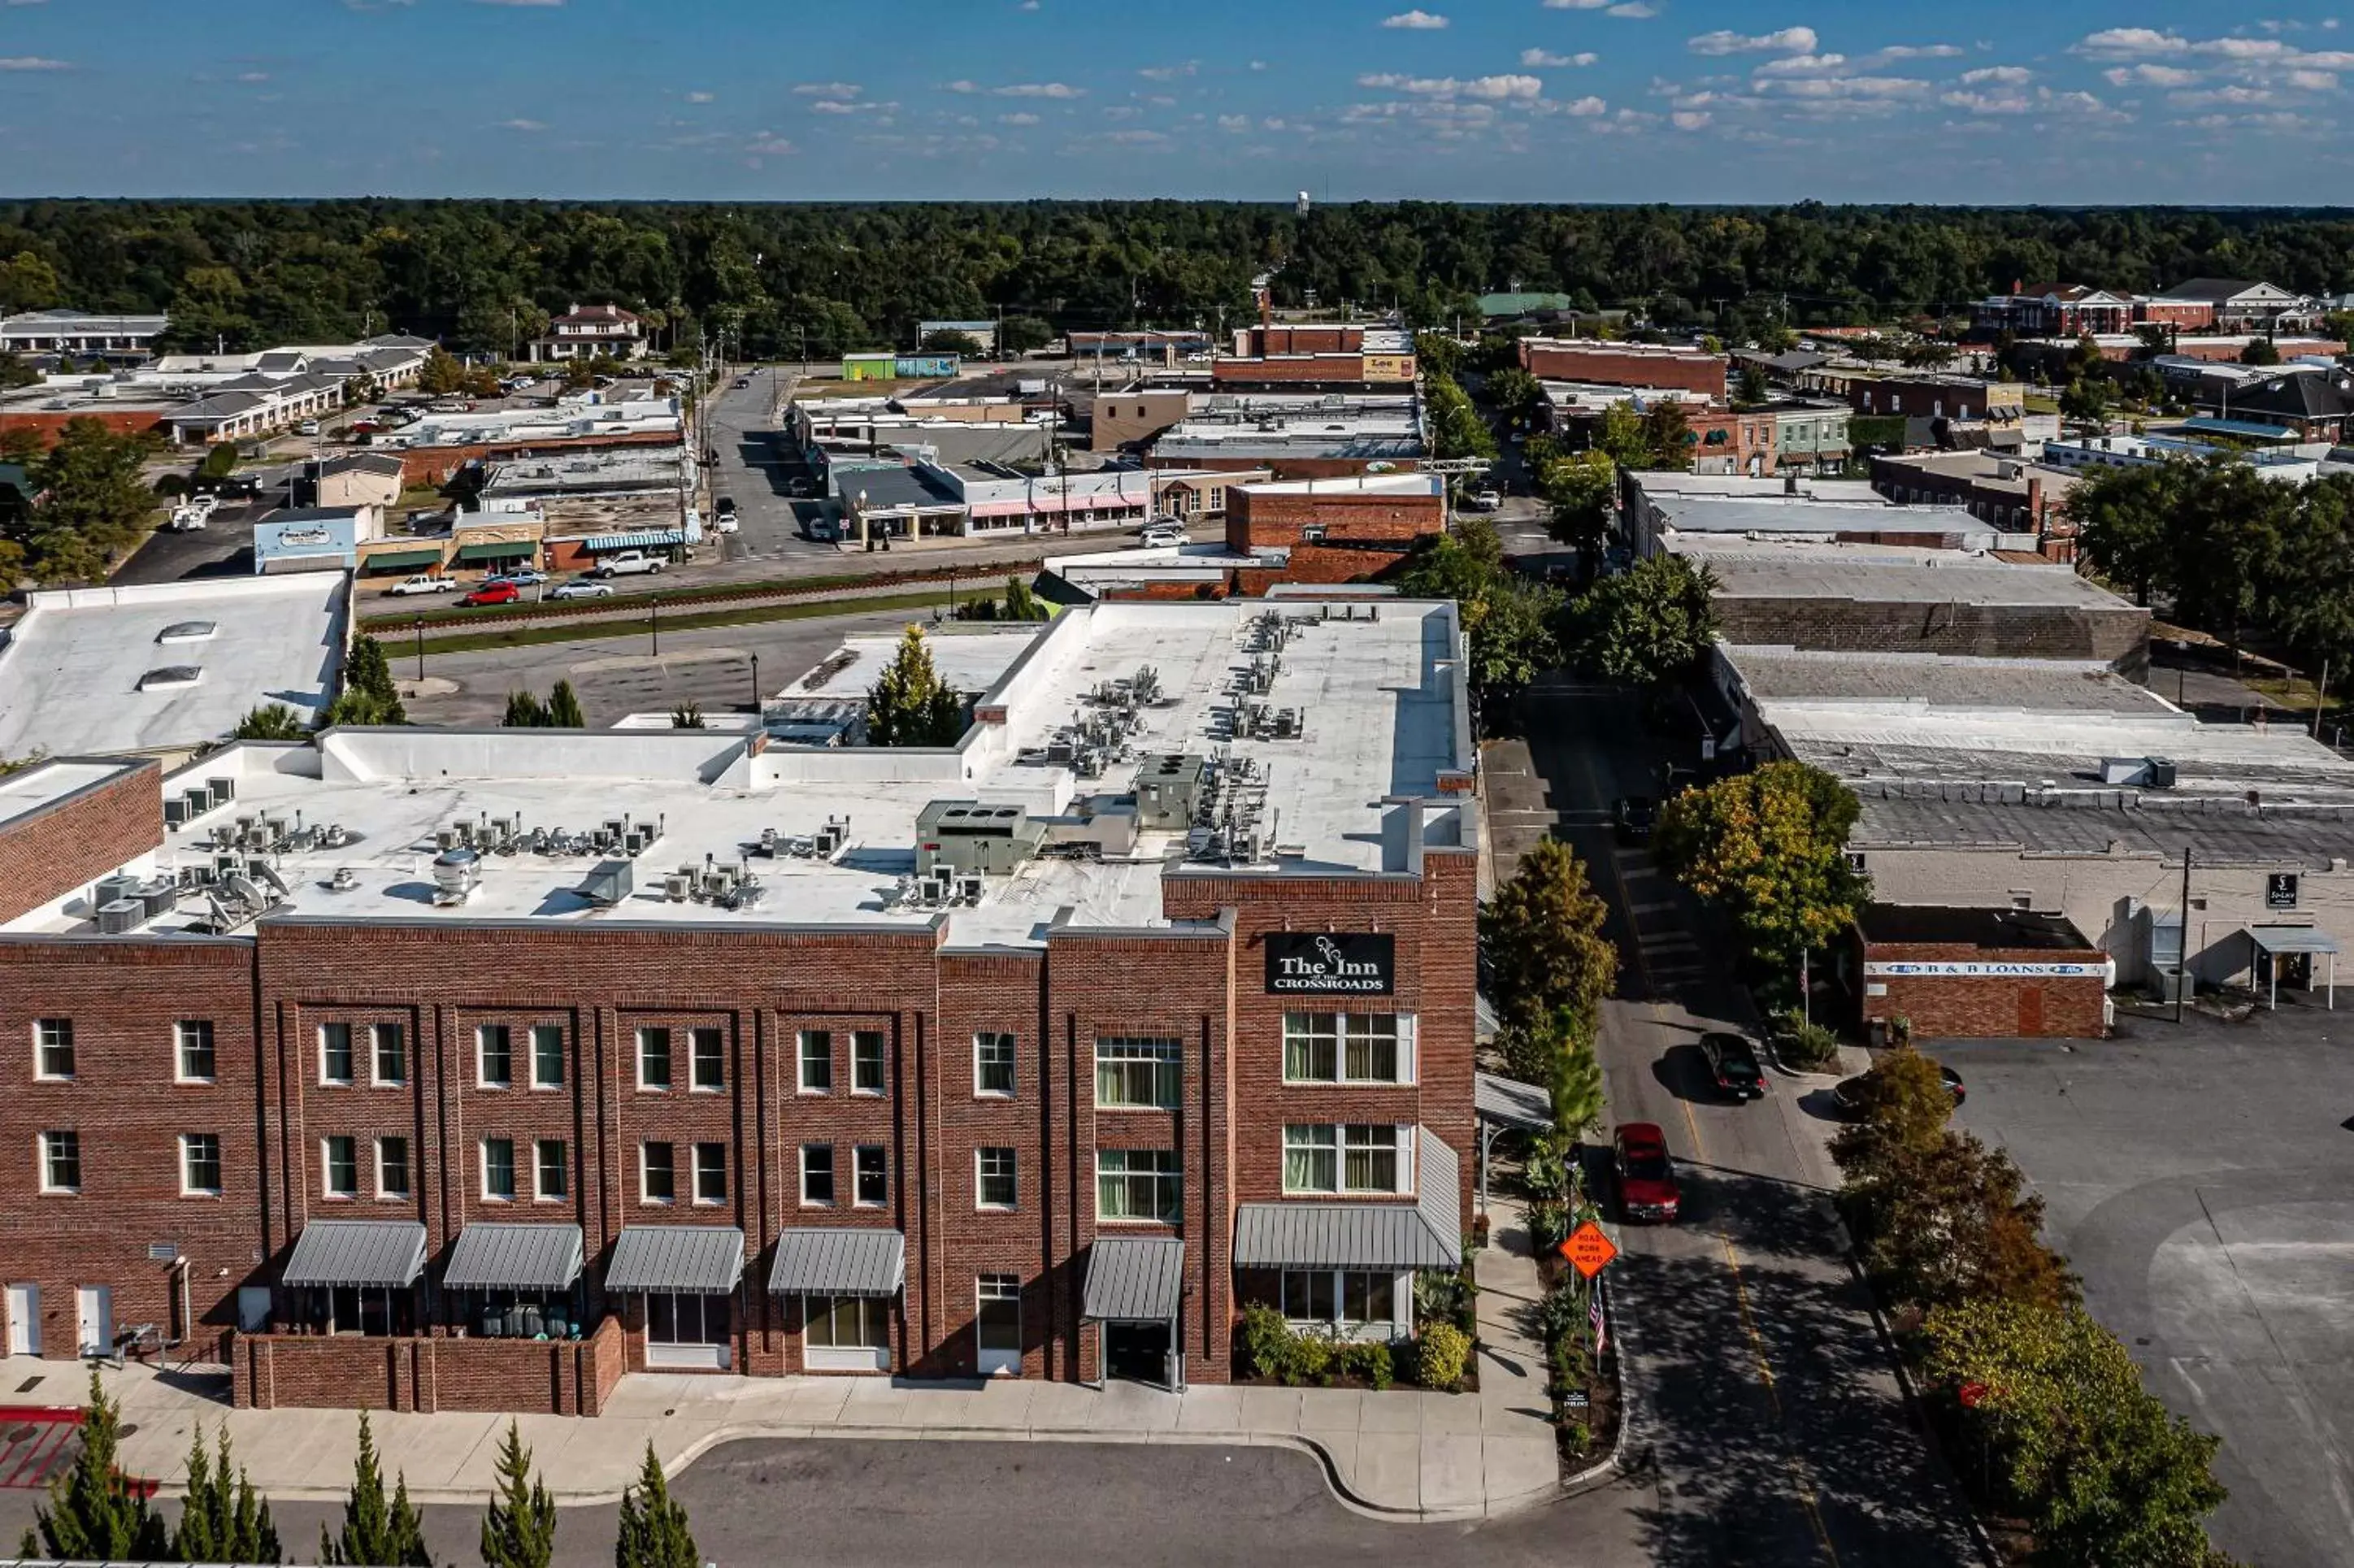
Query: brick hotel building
(439, 1069)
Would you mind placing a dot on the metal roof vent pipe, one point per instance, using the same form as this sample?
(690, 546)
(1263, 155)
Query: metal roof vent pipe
(456, 872)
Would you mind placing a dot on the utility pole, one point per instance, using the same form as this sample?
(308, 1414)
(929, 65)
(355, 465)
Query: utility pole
(2182, 948)
(2320, 695)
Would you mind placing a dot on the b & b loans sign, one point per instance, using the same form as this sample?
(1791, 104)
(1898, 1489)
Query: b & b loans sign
(1316, 963)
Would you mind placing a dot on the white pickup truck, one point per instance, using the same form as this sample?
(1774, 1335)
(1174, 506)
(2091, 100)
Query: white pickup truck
(628, 564)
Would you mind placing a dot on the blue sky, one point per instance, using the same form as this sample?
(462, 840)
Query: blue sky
(2079, 101)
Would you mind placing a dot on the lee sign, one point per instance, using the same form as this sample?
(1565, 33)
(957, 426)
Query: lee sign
(1322, 963)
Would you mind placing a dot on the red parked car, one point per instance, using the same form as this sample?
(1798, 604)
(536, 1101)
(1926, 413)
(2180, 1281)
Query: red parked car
(493, 593)
(1646, 1178)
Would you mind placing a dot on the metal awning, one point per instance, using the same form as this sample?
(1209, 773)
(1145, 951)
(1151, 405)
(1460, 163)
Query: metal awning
(497, 550)
(1424, 1233)
(386, 1254)
(638, 541)
(1508, 1102)
(1134, 1279)
(2292, 939)
(513, 1257)
(699, 1259)
(392, 560)
(838, 1260)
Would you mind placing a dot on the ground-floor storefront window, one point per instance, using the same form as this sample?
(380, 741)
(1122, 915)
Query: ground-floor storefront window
(846, 1333)
(686, 1330)
(997, 1326)
(1366, 1304)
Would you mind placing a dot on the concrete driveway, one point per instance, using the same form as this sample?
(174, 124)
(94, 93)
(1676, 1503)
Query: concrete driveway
(2201, 1179)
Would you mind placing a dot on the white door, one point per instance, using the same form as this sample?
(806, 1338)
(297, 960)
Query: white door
(23, 1319)
(94, 1312)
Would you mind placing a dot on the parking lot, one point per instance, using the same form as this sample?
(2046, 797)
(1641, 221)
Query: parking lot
(2201, 1179)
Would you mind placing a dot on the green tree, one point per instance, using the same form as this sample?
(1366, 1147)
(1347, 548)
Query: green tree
(2103, 1474)
(221, 460)
(1749, 388)
(1768, 847)
(1667, 439)
(2086, 398)
(442, 373)
(269, 721)
(564, 707)
(910, 705)
(223, 1518)
(524, 711)
(1653, 624)
(948, 340)
(1582, 492)
(519, 1531)
(2338, 326)
(1023, 334)
(1514, 392)
(28, 284)
(579, 373)
(2261, 350)
(92, 501)
(95, 1512)
(1507, 620)
(1943, 1218)
(1619, 437)
(2124, 523)
(1021, 604)
(379, 1531)
(653, 1529)
(16, 373)
(687, 715)
(1541, 935)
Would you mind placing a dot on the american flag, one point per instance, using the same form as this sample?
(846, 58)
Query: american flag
(1594, 1318)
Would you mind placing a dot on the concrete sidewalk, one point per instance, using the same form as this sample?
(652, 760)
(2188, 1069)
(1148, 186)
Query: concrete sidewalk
(1403, 1454)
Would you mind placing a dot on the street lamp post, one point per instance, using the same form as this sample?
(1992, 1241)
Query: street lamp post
(756, 685)
(653, 625)
(420, 647)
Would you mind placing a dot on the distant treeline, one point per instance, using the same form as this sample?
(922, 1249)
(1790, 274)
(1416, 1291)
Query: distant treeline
(484, 274)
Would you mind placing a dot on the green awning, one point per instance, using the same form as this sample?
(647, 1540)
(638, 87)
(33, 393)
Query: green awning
(402, 560)
(498, 550)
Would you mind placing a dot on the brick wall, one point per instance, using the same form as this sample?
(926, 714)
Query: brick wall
(2118, 636)
(1961, 1007)
(51, 851)
(1259, 519)
(1267, 340)
(425, 1374)
(1301, 369)
(49, 424)
(1624, 364)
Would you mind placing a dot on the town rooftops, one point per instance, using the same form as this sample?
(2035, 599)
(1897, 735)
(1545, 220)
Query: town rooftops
(1991, 930)
(2217, 291)
(1769, 569)
(1376, 777)
(1350, 484)
(81, 673)
(1880, 681)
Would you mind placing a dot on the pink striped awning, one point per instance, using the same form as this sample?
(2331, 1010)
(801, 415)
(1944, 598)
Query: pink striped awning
(1047, 505)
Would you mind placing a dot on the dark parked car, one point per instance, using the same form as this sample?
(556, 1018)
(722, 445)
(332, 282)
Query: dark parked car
(1632, 818)
(1732, 1065)
(1844, 1093)
(1647, 1177)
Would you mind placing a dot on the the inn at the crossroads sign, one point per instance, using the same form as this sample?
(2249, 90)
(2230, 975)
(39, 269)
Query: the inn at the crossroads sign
(1322, 963)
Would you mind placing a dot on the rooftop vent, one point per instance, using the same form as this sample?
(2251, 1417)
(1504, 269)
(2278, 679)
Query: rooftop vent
(455, 873)
(167, 677)
(187, 631)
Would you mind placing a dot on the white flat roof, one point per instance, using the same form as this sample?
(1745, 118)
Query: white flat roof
(1382, 483)
(32, 789)
(971, 656)
(71, 670)
(1379, 691)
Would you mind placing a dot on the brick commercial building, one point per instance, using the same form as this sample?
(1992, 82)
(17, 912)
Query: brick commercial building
(1334, 529)
(468, 1069)
(1624, 364)
(1955, 973)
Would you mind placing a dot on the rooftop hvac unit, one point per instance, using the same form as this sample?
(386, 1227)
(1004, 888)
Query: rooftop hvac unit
(931, 890)
(455, 873)
(446, 839)
(120, 915)
(677, 885)
(608, 883)
(969, 889)
(344, 880)
(2161, 773)
(221, 792)
(175, 812)
(768, 843)
(200, 801)
(117, 886)
(160, 896)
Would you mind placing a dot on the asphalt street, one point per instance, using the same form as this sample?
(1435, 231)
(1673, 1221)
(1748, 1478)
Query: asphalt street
(1770, 1409)
(2197, 1177)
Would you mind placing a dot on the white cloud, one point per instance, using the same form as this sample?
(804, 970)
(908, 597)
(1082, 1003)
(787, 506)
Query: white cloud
(1801, 65)
(1690, 120)
(1634, 11)
(1040, 89)
(832, 106)
(33, 62)
(1258, 65)
(2132, 41)
(1791, 40)
(2148, 74)
(2312, 81)
(2007, 76)
(1234, 121)
(1168, 73)
(768, 144)
(1585, 108)
(2005, 103)
(1546, 57)
(523, 125)
(1484, 87)
(1920, 52)
(1139, 138)
(1576, 5)
(1416, 21)
(544, 4)
(253, 76)
(1022, 118)
(703, 97)
(829, 90)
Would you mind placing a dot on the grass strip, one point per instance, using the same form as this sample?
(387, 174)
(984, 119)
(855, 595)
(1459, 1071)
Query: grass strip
(750, 615)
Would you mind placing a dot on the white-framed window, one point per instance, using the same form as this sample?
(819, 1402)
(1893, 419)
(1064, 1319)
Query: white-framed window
(994, 1184)
(653, 1058)
(816, 1057)
(1348, 1048)
(200, 1164)
(551, 1170)
(992, 1063)
(1137, 1072)
(498, 1169)
(1138, 1184)
(817, 1175)
(53, 1048)
(866, 1062)
(388, 1053)
(1347, 1299)
(997, 1320)
(193, 1058)
(707, 1064)
(846, 1322)
(60, 1161)
(871, 1170)
(1350, 1157)
(392, 1167)
(494, 1056)
(657, 1178)
(339, 1165)
(548, 1055)
(710, 1172)
(334, 1052)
